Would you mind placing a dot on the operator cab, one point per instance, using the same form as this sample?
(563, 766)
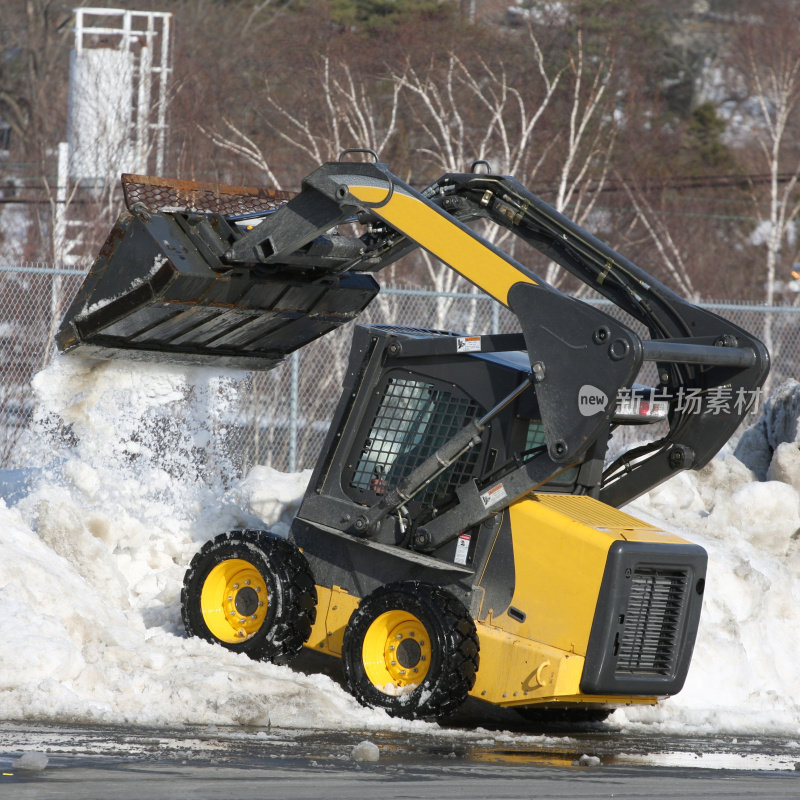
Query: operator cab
(413, 397)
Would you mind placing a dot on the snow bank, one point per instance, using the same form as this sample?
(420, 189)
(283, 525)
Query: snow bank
(744, 675)
(94, 556)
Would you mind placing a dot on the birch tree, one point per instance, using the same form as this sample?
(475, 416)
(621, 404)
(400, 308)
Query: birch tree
(352, 116)
(768, 65)
(473, 112)
(658, 233)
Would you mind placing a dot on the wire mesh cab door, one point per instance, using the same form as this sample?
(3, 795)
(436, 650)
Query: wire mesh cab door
(409, 418)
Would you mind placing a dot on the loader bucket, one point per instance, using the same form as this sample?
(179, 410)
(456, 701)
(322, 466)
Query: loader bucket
(152, 294)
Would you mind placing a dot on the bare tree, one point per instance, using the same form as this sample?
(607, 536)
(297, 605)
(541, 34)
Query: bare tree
(353, 117)
(766, 64)
(507, 119)
(514, 130)
(236, 141)
(773, 61)
(589, 138)
(33, 79)
(662, 240)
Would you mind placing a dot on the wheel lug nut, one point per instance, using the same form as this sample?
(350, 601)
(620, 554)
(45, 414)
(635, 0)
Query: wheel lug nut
(235, 585)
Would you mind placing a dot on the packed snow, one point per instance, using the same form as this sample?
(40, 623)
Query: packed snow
(120, 496)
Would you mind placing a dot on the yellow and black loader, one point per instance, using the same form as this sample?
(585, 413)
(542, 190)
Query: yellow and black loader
(461, 533)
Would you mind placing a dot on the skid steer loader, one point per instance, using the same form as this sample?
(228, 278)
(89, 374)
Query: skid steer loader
(461, 532)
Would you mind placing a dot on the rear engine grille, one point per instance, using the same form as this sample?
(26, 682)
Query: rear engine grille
(649, 641)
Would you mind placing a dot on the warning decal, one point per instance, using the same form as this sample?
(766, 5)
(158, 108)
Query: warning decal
(462, 548)
(468, 344)
(493, 496)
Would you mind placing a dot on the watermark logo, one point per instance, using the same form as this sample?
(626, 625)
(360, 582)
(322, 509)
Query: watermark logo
(591, 400)
(714, 401)
(654, 404)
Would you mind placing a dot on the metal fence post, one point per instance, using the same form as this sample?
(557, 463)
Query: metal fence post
(294, 402)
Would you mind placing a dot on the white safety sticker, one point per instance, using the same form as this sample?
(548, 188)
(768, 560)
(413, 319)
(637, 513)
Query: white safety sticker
(468, 344)
(462, 548)
(493, 496)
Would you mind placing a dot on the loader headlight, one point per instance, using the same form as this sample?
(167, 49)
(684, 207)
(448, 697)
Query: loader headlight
(640, 405)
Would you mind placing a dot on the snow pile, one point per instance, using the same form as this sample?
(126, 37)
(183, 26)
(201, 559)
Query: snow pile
(770, 446)
(744, 675)
(94, 557)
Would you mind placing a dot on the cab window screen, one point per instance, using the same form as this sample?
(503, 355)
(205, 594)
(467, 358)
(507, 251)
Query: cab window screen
(414, 418)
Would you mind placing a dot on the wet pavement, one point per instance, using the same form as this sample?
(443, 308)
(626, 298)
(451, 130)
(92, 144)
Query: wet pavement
(197, 762)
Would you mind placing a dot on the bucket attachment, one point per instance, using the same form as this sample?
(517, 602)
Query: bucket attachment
(157, 292)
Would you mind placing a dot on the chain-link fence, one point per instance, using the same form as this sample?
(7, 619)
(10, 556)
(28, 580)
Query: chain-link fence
(280, 417)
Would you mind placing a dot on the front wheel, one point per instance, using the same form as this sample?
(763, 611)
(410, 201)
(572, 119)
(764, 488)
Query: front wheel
(252, 593)
(411, 649)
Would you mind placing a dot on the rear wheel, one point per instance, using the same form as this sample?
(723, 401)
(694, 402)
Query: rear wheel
(411, 649)
(252, 593)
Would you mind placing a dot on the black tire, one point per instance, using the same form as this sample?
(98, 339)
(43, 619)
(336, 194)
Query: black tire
(411, 649)
(252, 593)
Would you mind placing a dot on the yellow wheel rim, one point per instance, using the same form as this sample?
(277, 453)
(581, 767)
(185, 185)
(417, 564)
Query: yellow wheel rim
(396, 652)
(234, 600)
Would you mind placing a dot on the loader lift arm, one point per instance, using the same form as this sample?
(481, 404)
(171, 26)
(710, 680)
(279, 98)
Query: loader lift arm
(322, 281)
(698, 354)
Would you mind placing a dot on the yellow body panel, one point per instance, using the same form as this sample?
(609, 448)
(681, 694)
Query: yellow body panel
(518, 672)
(560, 547)
(599, 516)
(451, 244)
(561, 544)
(334, 607)
(559, 564)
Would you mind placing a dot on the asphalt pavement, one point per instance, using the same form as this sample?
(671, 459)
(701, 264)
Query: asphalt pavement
(40, 762)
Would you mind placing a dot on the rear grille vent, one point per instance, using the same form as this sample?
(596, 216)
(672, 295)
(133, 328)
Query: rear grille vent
(649, 641)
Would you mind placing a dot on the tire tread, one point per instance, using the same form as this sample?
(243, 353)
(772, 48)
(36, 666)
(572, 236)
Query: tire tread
(440, 694)
(296, 601)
